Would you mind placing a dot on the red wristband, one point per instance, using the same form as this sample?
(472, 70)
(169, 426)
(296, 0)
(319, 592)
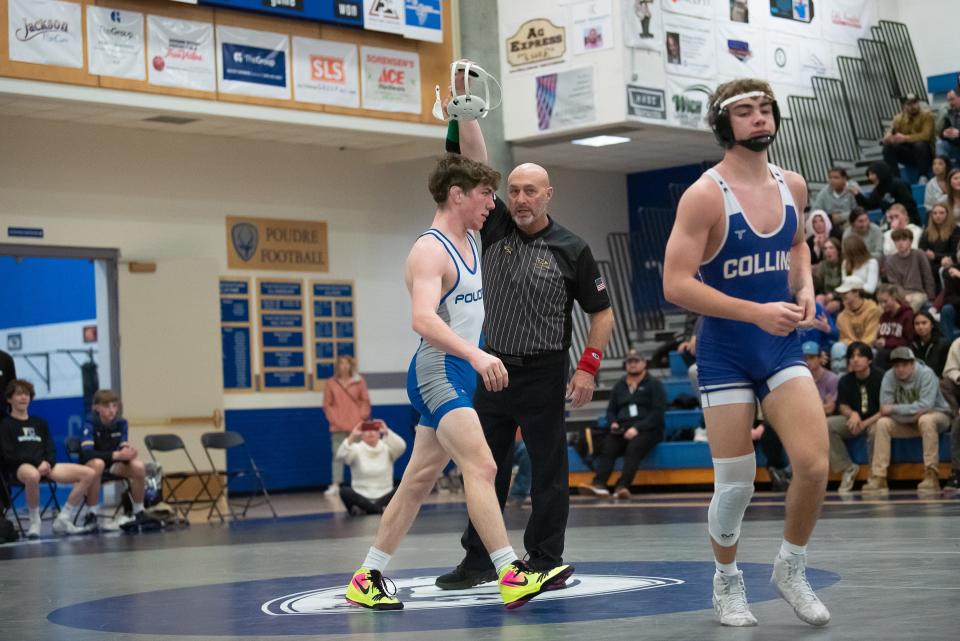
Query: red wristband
(590, 360)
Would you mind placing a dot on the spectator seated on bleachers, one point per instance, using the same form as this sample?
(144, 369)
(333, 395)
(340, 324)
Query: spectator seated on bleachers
(105, 439)
(940, 240)
(897, 218)
(887, 190)
(910, 141)
(953, 192)
(635, 414)
(948, 134)
(837, 199)
(950, 387)
(827, 276)
(896, 323)
(859, 263)
(29, 454)
(818, 229)
(823, 332)
(859, 321)
(935, 191)
(928, 345)
(866, 230)
(910, 269)
(911, 405)
(858, 406)
(370, 450)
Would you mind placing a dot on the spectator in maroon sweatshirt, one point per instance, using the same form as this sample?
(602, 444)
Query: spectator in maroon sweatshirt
(896, 323)
(910, 269)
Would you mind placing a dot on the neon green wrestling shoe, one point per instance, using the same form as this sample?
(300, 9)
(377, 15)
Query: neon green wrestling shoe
(519, 584)
(368, 589)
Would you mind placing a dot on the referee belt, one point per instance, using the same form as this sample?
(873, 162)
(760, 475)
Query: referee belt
(529, 359)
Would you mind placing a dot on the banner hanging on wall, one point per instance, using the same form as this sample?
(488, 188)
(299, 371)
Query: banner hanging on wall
(565, 99)
(740, 51)
(535, 43)
(797, 17)
(687, 102)
(592, 25)
(325, 72)
(848, 20)
(391, 80)
(253, 63)
(384, 15)
(45, 32)
(115, 43)
(642, 24)
(424, 20)
(180, 53)
(690, 49)
(794, 60)
(694, 8)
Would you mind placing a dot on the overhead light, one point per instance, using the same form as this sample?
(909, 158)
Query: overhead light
(600, 141)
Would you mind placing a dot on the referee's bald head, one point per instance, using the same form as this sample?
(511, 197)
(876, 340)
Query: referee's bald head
(528, 196)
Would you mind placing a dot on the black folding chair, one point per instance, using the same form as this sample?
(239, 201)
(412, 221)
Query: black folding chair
(234, 441)
(173, 481)
(74, 449)
(12, 489)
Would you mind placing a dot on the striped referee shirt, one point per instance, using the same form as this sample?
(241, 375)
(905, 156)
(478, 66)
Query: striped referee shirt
(531, 282)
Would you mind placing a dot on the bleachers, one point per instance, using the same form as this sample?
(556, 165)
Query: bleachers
(689, 462)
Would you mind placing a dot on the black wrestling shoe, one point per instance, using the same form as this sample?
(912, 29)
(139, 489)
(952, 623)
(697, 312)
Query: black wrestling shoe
(461, 578)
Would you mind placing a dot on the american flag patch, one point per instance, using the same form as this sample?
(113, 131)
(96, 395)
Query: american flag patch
(601, 285)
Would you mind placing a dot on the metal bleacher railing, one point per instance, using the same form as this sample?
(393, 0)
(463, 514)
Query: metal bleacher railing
(844, 113)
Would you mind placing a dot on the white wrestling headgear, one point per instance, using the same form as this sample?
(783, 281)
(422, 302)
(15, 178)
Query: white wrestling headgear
(468, 106)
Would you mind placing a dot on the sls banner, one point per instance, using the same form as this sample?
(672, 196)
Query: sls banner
(253, 63)
(565, 99)
(115, 43)
(325, 72)
(180, 53)
(391, 80)
(46, 33)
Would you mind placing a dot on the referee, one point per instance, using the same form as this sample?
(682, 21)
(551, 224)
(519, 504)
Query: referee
(533, 271)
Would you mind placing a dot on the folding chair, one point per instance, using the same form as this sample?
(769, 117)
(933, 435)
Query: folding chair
(8, 483)
(74, 449)
(173, 481)
(233, 441)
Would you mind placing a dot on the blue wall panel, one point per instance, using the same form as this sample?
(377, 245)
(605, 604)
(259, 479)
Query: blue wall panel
(652, 189)
(39, 291)
(292, 445)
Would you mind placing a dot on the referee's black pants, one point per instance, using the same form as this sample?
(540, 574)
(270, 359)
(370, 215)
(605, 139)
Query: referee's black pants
(534, 400)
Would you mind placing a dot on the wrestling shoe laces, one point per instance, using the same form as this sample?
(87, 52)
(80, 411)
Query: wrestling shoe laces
(380, 585)
(790, 579)
(730, 600)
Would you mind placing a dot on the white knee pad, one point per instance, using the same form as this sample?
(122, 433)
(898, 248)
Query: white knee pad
(733, 488)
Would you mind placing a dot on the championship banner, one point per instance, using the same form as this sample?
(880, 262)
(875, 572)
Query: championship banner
(592, 26)
(740, 51)
(391, 80)
(388, 16)
(325, 72)
(693, 8)
(642, 24)
(690, 47)
(45, 32)
(565, 99)
(180, 53)
(848, 20)
(115, 43)
(424, 20)
(253, 63)
(687, 102)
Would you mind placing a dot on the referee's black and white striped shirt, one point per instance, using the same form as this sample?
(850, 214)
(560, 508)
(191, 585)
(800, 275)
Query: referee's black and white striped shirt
(531, 282)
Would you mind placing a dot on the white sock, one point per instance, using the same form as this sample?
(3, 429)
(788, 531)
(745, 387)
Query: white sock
(376, 560)
(787, 549)
(68, 512)
(726, 569)
(503, 557)
(34, 515)
(94, 509)
(137, 507)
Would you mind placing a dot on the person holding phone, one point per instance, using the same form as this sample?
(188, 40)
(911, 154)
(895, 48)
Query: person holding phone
(346, 402)
(370, 450)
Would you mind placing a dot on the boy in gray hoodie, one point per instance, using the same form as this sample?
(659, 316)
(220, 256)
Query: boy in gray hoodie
(911, 405)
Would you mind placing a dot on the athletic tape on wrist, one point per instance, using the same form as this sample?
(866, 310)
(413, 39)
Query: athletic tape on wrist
(590, 360)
